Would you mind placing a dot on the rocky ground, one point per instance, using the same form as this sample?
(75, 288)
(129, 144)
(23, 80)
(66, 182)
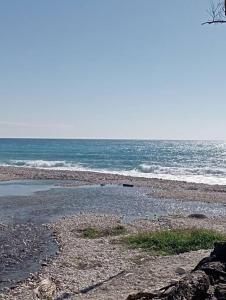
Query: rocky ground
(160, 188)
(84, 262)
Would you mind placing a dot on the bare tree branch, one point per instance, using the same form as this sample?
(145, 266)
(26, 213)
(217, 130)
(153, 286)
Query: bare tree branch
(217, 12)
(213, 22)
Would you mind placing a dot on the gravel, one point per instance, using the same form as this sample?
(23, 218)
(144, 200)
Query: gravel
(85, 262)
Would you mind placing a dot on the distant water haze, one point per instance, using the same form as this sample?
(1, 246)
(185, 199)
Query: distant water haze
(192, 161)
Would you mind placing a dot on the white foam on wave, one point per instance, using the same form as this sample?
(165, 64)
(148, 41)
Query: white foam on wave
(44, 164)
(144, 170)
(178, 170)
(211, 180)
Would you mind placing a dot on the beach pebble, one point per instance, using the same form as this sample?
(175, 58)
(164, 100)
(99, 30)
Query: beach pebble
(180, 271)
(45, 290)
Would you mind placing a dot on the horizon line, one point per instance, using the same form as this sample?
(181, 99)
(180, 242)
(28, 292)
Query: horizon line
(116, 139)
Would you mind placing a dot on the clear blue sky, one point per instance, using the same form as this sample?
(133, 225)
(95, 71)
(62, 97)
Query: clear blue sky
(111, 69)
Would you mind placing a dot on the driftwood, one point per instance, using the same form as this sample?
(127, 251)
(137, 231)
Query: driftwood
(206, 282)
(89, 288)
(94, 286)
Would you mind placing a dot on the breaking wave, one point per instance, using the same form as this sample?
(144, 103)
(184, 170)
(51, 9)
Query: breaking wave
(198, 175)
(145, 168)
(44, 164)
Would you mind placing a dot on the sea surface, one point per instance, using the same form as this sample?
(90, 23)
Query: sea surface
(192, 161)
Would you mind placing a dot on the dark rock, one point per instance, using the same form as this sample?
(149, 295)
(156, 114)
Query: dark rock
(180, 271)
(141, 296)
(128, 185)
(220, 292)
(215, 270)
(65, 295)
(219, 252)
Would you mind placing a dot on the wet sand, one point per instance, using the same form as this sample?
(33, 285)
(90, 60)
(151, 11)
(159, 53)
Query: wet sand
(23, 248)
(160, 188)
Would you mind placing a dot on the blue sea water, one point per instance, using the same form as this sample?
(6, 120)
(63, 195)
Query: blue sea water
(193, 161)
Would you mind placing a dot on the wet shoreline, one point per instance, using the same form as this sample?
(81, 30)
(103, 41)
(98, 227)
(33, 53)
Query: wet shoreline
(53, 200)
(25, 247)
(160, 188)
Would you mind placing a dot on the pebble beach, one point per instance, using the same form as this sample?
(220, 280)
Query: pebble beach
(80, 263)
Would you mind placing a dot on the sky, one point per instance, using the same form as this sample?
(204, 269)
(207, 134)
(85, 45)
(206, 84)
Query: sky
(136, 69)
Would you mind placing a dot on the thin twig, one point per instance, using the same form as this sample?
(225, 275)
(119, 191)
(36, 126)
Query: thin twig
(214, 22)
(93, 286)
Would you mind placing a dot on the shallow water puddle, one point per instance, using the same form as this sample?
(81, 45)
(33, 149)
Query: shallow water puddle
(44, 201)
(23, 187)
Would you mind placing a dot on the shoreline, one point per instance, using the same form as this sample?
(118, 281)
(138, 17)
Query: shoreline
(160, 188)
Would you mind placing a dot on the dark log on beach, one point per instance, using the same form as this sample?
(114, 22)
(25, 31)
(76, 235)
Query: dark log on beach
(197, 216)
(98, 284)
(207, 281)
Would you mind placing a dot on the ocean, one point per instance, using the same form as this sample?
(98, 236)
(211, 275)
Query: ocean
(191, 161)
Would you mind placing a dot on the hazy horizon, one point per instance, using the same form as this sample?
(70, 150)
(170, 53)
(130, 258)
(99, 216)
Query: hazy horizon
(113, 139)
(144, 70)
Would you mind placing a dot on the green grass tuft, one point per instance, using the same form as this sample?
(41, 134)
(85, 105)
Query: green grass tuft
(175, 241)
(91, 233)
(94, 233)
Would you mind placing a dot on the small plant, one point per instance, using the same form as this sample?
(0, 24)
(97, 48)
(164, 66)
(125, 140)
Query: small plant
(93, 232)
(118, 230)
(175, 241)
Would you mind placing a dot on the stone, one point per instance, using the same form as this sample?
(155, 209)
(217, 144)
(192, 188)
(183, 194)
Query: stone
(220, 292)
(46, 290)
(219, 252)
(180, 271)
